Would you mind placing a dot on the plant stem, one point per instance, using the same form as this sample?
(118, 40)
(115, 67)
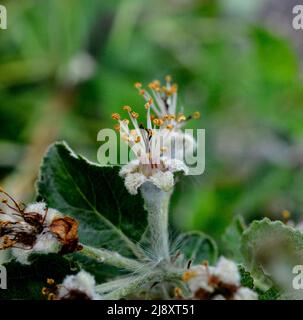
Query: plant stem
(111, 258)
(157, 204)
(134, 284)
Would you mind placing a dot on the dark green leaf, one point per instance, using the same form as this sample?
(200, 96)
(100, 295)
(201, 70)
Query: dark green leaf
(109, 216)
(246, 279)
(198, 247)
(27, 281)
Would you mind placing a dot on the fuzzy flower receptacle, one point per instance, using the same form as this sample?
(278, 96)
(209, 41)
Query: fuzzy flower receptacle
(160, 145)
(80, 286)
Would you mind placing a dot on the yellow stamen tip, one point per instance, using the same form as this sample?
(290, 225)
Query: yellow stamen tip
(116, 116)
(138, 139)
(127, 108)
(50, 281)
(286, 214)
(138, 85)
(51, 296)
(44, 291)
(169, 127)
(181, 118)
(135, 115)
(187, 275)
(117, 127)
(197, 115)
(168, 78)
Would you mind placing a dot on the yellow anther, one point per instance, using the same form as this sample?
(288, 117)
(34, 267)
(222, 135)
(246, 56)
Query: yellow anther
(169, 127)
(117, 127)
(138, 85)
(50, 281)
(197, 115)
(174, 88)
(127, 108)
(142, 92)
(51, 296)
(116, 116)
(181, 118)
(286, 214)
(125, 121)
(187, 275)
(168, 78)
(137, 139)
(158, 122)
(45, 291)
(147, 106)
(135, 115)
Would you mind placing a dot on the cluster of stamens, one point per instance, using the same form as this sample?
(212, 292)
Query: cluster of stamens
(161, 105)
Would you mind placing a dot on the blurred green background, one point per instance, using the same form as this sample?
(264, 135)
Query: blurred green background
(66, 65)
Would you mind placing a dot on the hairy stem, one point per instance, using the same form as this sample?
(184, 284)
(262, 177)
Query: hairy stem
(133, 285)
(112, 258)
(157, 204)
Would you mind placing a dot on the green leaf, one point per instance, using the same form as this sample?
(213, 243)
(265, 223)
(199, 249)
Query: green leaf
(232, 239)
(271, 250)
(27, 281)
(198, 247)
(270, 294)
(246, 279)
(108, 215)
(101, 272)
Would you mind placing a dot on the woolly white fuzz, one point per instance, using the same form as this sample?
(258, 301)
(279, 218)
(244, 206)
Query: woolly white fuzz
(245, 294)
(227, 272)
(200, 279)
(40, 207)
(45, 243)
(82, 282)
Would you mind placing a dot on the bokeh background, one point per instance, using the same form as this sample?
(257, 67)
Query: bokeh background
(66, 65)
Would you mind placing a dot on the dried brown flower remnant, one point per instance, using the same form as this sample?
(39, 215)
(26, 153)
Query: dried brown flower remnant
(35, 228)
(66, 230)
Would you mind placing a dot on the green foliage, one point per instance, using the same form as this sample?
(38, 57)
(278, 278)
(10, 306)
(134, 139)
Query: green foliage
(232, 238)
(270, 294)
(27, 281)
(96, 197)
(197, 247)
(246, 279)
